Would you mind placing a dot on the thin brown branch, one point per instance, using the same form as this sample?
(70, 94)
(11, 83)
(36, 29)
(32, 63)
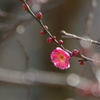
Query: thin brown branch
(25, 54)
(8, 32)
(84, 58)
(72, 36)
(14, 16)
(42, 25)
(29, 93)
(26, 65)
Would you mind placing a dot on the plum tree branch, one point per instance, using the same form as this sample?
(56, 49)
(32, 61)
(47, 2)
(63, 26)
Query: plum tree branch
(73, 36)
(84, 58)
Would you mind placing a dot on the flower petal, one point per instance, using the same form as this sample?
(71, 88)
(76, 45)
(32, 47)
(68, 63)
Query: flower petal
(62, 66)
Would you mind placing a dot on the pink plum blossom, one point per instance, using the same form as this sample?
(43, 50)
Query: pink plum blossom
(60, 58)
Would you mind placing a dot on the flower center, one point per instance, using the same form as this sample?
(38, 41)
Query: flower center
(62, 57)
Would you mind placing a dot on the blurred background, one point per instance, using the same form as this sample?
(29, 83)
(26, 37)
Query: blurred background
(26, 72)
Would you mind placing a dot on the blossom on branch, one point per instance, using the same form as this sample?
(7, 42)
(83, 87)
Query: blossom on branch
(60, 58)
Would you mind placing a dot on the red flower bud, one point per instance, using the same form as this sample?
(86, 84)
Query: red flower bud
(49, 40)
(24, 7)
(75, 52)
(42, 32)
(60, 42)
(46, 27)
(54, 37)
(39, 15)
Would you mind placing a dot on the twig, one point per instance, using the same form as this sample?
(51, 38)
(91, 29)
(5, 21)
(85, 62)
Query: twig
(26, 64)
(80, 38)
(42, 25)
(84, 58)
(29, 93)
(25, 54)
(9, 32)
(72, 36)
(14, 16)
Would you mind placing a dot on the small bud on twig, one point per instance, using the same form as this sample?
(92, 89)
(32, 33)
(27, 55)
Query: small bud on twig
(24, 7)
(60, 42)
(54, 37)
(39, 15)
(49, 40)
(75, 52)
(42, 32)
